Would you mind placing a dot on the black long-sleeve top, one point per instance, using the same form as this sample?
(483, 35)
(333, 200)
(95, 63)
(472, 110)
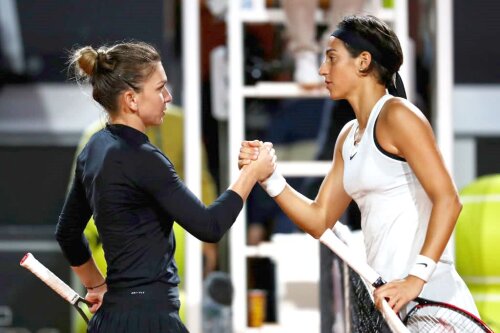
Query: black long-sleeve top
(135, 195)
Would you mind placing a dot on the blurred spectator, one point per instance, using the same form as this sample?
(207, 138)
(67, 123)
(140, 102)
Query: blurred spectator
(301, 28)
(217, 299)
(12, 66)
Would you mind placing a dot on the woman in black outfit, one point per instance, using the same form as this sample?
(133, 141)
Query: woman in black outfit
(132, 190)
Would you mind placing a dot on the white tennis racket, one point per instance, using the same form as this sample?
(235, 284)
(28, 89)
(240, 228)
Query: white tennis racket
(426, 316)
(43, 273)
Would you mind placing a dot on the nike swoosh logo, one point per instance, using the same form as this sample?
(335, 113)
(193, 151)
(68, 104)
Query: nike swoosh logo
(350, 157)
(422, 263)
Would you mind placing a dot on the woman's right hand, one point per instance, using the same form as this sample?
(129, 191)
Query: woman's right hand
(249, 152)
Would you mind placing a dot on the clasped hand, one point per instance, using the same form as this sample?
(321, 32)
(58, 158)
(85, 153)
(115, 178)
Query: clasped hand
(260, 155)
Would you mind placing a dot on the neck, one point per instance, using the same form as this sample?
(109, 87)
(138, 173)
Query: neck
(363, 101)
(127, 119)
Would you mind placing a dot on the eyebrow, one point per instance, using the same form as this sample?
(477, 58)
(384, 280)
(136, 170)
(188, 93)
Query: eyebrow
(330, 50)
(162, 82)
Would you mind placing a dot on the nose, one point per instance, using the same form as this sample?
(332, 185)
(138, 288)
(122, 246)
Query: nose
(323, 71)
(167, 96)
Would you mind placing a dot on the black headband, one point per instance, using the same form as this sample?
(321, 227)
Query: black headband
(358, 42)
(396, 87)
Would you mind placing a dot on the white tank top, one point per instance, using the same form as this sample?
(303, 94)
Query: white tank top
(394, 207)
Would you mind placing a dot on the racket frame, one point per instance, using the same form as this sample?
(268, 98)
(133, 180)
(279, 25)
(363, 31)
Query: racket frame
(424, 302)
(55, 283)
(367, 272)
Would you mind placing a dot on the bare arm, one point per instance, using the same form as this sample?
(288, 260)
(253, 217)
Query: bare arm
(412, 138)
(314, 216)
(94, 281)
(404, 131)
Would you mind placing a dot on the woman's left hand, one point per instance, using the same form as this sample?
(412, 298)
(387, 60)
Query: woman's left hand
(95, 296)
(399, 292)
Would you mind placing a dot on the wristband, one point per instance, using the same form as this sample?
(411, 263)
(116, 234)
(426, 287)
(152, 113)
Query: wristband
(423, 267)
(275, 184)
(95, 287)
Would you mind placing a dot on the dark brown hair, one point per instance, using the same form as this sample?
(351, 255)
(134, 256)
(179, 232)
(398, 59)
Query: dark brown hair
(112, 70)
(383, 38)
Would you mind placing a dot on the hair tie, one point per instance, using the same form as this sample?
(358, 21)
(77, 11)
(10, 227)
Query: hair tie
(99, 54)
(397, 87)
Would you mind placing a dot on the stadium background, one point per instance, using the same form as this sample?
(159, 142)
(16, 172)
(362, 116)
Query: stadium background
(42, 117)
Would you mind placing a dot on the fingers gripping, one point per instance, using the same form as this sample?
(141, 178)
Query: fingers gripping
(250, 151)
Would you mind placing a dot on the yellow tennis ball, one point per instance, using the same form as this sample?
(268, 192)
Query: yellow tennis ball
(477, 244)
(477, 236)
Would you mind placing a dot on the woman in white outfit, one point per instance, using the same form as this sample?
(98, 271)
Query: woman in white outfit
(386, 160)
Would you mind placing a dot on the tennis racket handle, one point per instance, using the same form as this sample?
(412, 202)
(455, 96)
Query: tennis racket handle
(43, 273)
(357, 264)
(393, 320)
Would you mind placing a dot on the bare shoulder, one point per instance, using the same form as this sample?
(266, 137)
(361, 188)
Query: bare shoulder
(403, 129)
(400, 114)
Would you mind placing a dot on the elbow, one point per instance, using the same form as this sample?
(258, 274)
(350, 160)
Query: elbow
(449, 197)
(458, 204)
(454, 203)
(65, 235)
(214, 235)
(218, 225)
(63, 229)
(316, 234)
(62, 238)
(451, 202)
(212, 239)
(59, 234)
(318, 229)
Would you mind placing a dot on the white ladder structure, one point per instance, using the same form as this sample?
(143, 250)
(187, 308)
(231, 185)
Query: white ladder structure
(238, 15)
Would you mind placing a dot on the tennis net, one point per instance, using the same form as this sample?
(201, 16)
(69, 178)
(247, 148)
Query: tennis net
(353, 307)
(364, 317)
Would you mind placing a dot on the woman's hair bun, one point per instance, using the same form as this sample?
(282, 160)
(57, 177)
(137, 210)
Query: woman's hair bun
(89, 61)
(85, 59)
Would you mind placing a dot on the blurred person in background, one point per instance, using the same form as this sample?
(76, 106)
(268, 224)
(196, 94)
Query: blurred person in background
(301, 33)
(12, 64)
(134, 194)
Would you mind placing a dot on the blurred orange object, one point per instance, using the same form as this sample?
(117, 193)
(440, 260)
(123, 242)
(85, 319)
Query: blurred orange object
(256, 307)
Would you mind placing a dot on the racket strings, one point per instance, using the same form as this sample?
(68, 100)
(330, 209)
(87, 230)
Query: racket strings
(436, 319)
(364, 316)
